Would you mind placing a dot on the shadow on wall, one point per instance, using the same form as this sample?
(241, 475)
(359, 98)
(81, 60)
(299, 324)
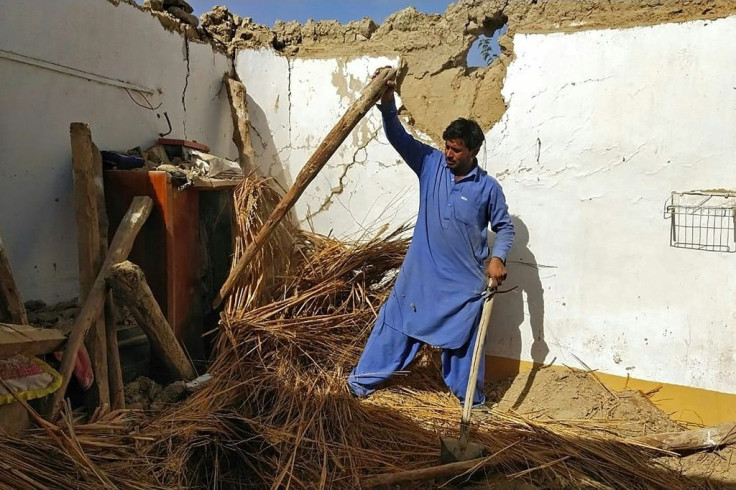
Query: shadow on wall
(514, 306)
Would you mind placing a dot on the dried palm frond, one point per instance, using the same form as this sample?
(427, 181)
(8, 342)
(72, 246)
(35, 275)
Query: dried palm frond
(278, 414)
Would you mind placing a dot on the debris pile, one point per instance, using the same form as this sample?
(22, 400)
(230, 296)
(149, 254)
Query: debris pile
(60, 315)
(276, 412)
(178, 8)
(146, 394)
(186, 161)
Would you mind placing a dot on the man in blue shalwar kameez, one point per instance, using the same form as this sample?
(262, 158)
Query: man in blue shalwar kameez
(437, 298)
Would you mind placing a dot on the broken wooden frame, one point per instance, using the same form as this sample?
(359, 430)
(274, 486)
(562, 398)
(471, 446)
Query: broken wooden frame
(119, 249)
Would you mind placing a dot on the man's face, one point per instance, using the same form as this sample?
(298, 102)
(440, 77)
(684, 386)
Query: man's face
(459, 158)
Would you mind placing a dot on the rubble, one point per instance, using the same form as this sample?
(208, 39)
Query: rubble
(59, 315)
(183, 16)
(146, 394)
(176, 15)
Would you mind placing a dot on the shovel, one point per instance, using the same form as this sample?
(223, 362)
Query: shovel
(454, 450)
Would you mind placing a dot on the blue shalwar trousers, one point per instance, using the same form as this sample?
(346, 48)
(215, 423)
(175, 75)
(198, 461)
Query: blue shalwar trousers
(389, 350)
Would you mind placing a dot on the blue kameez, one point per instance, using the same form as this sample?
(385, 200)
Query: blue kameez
(437, 296)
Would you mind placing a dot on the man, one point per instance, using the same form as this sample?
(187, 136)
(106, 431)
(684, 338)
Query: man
(437, 298)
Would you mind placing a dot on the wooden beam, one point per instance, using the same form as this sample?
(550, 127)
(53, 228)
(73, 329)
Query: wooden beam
(326, 149)
(423, 474)
(28, 340)
(88, 199)
(119, 249)
(241, 123)
(689, 441)
(130, 288)
(10, 299)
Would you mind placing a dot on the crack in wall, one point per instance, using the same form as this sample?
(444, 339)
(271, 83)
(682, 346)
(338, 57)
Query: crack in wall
(288, 99)
(186, 85)
(340, 187)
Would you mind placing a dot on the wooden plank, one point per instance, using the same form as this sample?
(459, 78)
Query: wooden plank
(130, 289)
(208, 184)
(326, 149)
(241, 123)
(87, 171)
(167, 249)
(28, 340)
(119, 249)
(10, 299)
(183, 306)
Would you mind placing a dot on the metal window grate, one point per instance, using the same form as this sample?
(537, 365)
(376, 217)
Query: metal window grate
(702, 220)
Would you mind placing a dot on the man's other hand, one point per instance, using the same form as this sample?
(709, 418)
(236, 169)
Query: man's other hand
(496, 271)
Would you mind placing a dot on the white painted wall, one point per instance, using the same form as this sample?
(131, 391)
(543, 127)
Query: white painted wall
(601, 127)
(365, 184)
(37, 105)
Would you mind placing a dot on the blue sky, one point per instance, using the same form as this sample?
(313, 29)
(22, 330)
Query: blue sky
(269, 11)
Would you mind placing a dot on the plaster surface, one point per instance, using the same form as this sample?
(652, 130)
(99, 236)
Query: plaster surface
(121, 43)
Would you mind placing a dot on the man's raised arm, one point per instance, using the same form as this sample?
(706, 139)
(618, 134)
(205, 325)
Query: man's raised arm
(412, 151)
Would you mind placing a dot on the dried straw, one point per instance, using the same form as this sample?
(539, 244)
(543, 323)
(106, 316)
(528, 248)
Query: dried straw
(277, 413)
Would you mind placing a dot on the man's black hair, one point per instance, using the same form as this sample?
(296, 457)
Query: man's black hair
(466, 130)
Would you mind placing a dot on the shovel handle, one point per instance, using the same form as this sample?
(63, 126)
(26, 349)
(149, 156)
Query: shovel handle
(485, 318)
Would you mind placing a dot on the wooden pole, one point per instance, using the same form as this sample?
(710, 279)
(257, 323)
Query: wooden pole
(87, 170)
(241, 123)
(10, 299)
(689, 441)
(326, 149)
(114, 369)
(130, 288)
(424, 474)
(119, 249)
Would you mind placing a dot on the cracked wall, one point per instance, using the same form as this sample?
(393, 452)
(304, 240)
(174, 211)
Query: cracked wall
(123, 46)
(588, 141)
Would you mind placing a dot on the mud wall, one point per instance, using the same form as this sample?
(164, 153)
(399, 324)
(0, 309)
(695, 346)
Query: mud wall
(596, 127)
(90, 52)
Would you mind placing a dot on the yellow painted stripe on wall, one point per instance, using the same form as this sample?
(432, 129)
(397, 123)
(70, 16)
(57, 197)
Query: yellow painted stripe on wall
(683, 403)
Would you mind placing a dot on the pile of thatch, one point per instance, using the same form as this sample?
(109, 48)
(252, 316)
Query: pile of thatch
(278, 414)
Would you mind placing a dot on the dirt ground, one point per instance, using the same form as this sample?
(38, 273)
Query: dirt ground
(575, 395)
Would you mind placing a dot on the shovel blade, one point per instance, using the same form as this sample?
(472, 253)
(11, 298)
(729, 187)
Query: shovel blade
(451, 451)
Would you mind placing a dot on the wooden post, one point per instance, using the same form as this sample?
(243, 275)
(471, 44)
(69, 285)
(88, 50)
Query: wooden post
(117, 394)
(241, 123)
(318, 160)
(87, 167)
(10, 299)
(119, 249)
(130, 288)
